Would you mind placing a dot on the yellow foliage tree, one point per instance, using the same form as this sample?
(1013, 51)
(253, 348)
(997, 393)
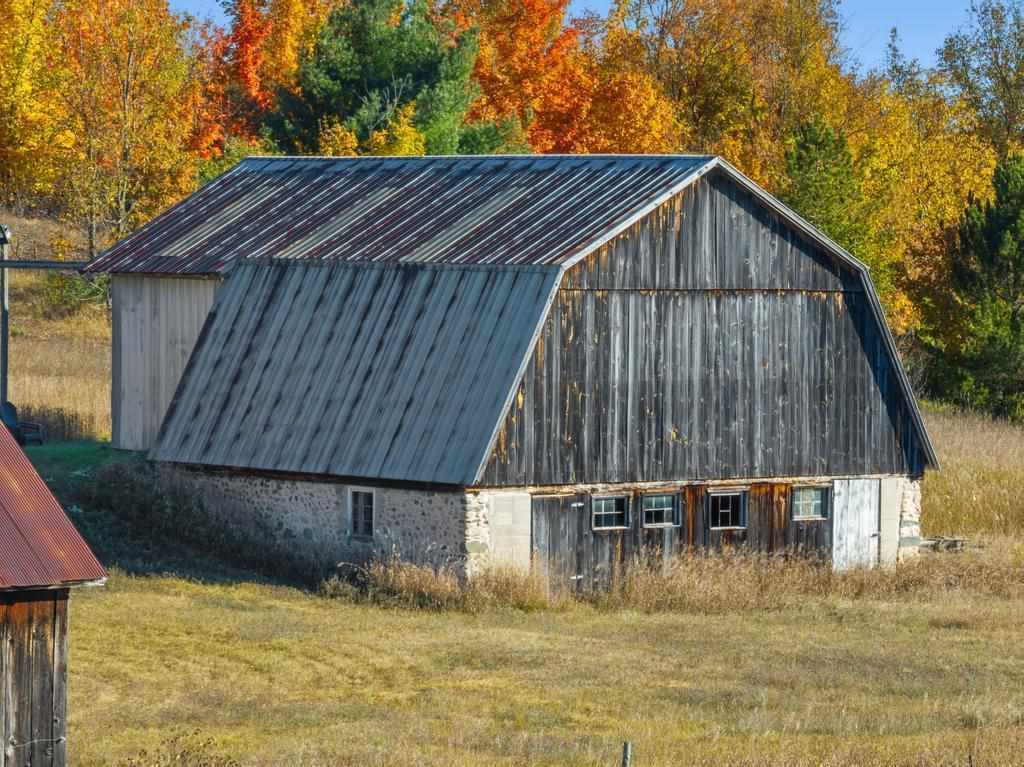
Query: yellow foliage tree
(126, 97)
(336, 140)
(399, 137)
(30, 136)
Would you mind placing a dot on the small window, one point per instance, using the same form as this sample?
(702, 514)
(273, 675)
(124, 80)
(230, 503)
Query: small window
(660, 510)
(361, 505)
(727, 510)
(611, 513)
(810, 503)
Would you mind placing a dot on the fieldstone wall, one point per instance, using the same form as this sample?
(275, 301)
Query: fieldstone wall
(910, 519)
(310, 521)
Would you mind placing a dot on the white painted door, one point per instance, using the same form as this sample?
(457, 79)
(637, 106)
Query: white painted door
(855, 523)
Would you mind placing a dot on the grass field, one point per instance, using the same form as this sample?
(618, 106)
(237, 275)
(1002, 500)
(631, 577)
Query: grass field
(277, 676)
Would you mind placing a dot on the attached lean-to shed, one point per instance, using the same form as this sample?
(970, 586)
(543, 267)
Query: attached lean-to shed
(553, 360)
(42, 556)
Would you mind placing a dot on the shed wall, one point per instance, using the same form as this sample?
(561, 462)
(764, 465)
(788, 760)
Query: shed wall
(33, 678)
(156, 321)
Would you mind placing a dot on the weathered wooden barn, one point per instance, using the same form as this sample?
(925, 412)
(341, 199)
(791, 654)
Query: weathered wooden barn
(41, 557)
(499, 359)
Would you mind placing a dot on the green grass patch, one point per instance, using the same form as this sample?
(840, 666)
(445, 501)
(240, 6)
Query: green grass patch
(67, 466)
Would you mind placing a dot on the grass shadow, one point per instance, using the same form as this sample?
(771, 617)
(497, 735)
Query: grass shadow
(137, 526)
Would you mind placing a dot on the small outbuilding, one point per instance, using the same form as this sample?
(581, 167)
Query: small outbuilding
(554, 360)
(42, 557)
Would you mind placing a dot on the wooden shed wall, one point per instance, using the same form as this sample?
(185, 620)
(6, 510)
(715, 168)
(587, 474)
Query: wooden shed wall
(33, 678)
(156, 321)
(708, 342)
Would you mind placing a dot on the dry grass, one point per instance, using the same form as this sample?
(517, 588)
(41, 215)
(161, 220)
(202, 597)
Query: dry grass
(59, 366)
(978, 489)
(926, 669)
(733, 581)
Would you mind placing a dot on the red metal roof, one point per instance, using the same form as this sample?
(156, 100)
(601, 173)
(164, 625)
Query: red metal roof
(39, 547)
(496, 211)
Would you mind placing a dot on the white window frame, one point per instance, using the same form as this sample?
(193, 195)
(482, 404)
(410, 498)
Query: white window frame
(352, 490)
(676, 517)
(593, 514)
(826, 506)
(743, 493)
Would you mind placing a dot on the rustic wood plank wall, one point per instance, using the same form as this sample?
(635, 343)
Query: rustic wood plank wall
(571, 553)
(33, 683)
(709, 342)
(156, 321)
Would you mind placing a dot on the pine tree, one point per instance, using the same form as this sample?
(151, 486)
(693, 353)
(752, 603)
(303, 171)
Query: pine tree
(386, 72)
(985, 368)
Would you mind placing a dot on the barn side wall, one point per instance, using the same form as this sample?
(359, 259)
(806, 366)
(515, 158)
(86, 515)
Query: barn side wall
(33, 678)
(309, 523)
(707, 342)
(156, 321)
(557, 524)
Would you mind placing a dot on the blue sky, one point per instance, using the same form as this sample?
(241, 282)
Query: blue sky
(922, 24)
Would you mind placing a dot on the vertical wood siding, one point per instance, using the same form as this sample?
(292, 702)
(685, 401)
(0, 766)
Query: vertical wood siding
(572, 554)
(33, 678)
(645, 373)
(156, 321)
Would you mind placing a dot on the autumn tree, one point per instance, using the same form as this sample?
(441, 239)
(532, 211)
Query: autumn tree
(30, 134)
(382, 77)
(985, 64)
(126, 97)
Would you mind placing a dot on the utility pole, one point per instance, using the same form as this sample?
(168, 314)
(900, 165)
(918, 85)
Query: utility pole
(5, 243)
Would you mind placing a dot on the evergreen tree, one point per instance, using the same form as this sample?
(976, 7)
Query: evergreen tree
(824, 186)
(383, 77)
(984, 368)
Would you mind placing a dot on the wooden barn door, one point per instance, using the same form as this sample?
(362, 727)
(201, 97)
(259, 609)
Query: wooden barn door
(561, 534)
(855, 524)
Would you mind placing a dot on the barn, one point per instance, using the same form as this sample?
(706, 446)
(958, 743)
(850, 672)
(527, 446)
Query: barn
(556, 360)
(42, 556)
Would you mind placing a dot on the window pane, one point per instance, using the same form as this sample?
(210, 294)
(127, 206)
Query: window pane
(610, 513)
(810, 502)
(659, 510)
(362, 514)
(726, 510)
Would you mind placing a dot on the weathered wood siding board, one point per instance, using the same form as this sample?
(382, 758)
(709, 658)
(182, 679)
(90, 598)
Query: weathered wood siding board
(156, 321)
(714, 236)
(708, 342)
(757, 385)
(33, 668)
(571, 553)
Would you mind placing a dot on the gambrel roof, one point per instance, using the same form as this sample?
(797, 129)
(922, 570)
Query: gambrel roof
(508, 210)
(394, 351)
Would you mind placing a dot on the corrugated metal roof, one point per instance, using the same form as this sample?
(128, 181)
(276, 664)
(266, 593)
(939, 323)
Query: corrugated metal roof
(525, 209)
(397, 372)
(39, 547)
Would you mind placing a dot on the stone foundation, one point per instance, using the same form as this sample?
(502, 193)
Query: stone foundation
(310, 521)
